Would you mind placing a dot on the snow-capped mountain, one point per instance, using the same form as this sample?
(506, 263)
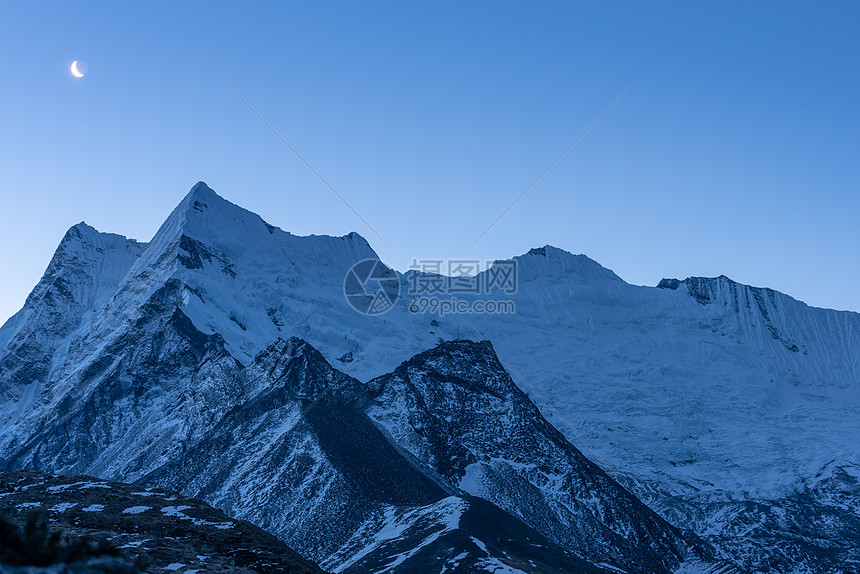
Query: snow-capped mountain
(82, 275)
(730, 410)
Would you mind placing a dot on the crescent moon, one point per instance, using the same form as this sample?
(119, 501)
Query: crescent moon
(75, 71)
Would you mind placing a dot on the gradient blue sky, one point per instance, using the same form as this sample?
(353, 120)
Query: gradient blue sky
(735, 153)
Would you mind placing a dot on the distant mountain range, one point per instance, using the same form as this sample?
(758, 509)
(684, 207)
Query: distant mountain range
(698, 426)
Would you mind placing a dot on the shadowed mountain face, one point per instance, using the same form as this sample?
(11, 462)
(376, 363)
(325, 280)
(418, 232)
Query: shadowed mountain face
(456, 410)
(190, 362)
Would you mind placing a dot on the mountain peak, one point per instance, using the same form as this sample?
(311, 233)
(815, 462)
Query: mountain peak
(200, 188)
(202, 202)
(85, 232)
(204, 216)
(466, 360)
(85, 243)
(82, 227)
(298, 367)
(552, 262)
(199, 197)
(201, 192)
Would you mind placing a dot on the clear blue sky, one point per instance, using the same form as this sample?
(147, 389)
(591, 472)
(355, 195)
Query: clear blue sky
(735, 153)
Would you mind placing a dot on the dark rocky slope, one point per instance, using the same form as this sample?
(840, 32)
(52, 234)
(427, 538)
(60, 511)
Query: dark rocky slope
(160, 530)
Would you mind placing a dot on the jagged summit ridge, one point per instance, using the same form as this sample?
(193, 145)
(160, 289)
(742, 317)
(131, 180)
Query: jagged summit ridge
(713, 289)
(761, 314)
(206, 216)
(205, 219)
(223, 254)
